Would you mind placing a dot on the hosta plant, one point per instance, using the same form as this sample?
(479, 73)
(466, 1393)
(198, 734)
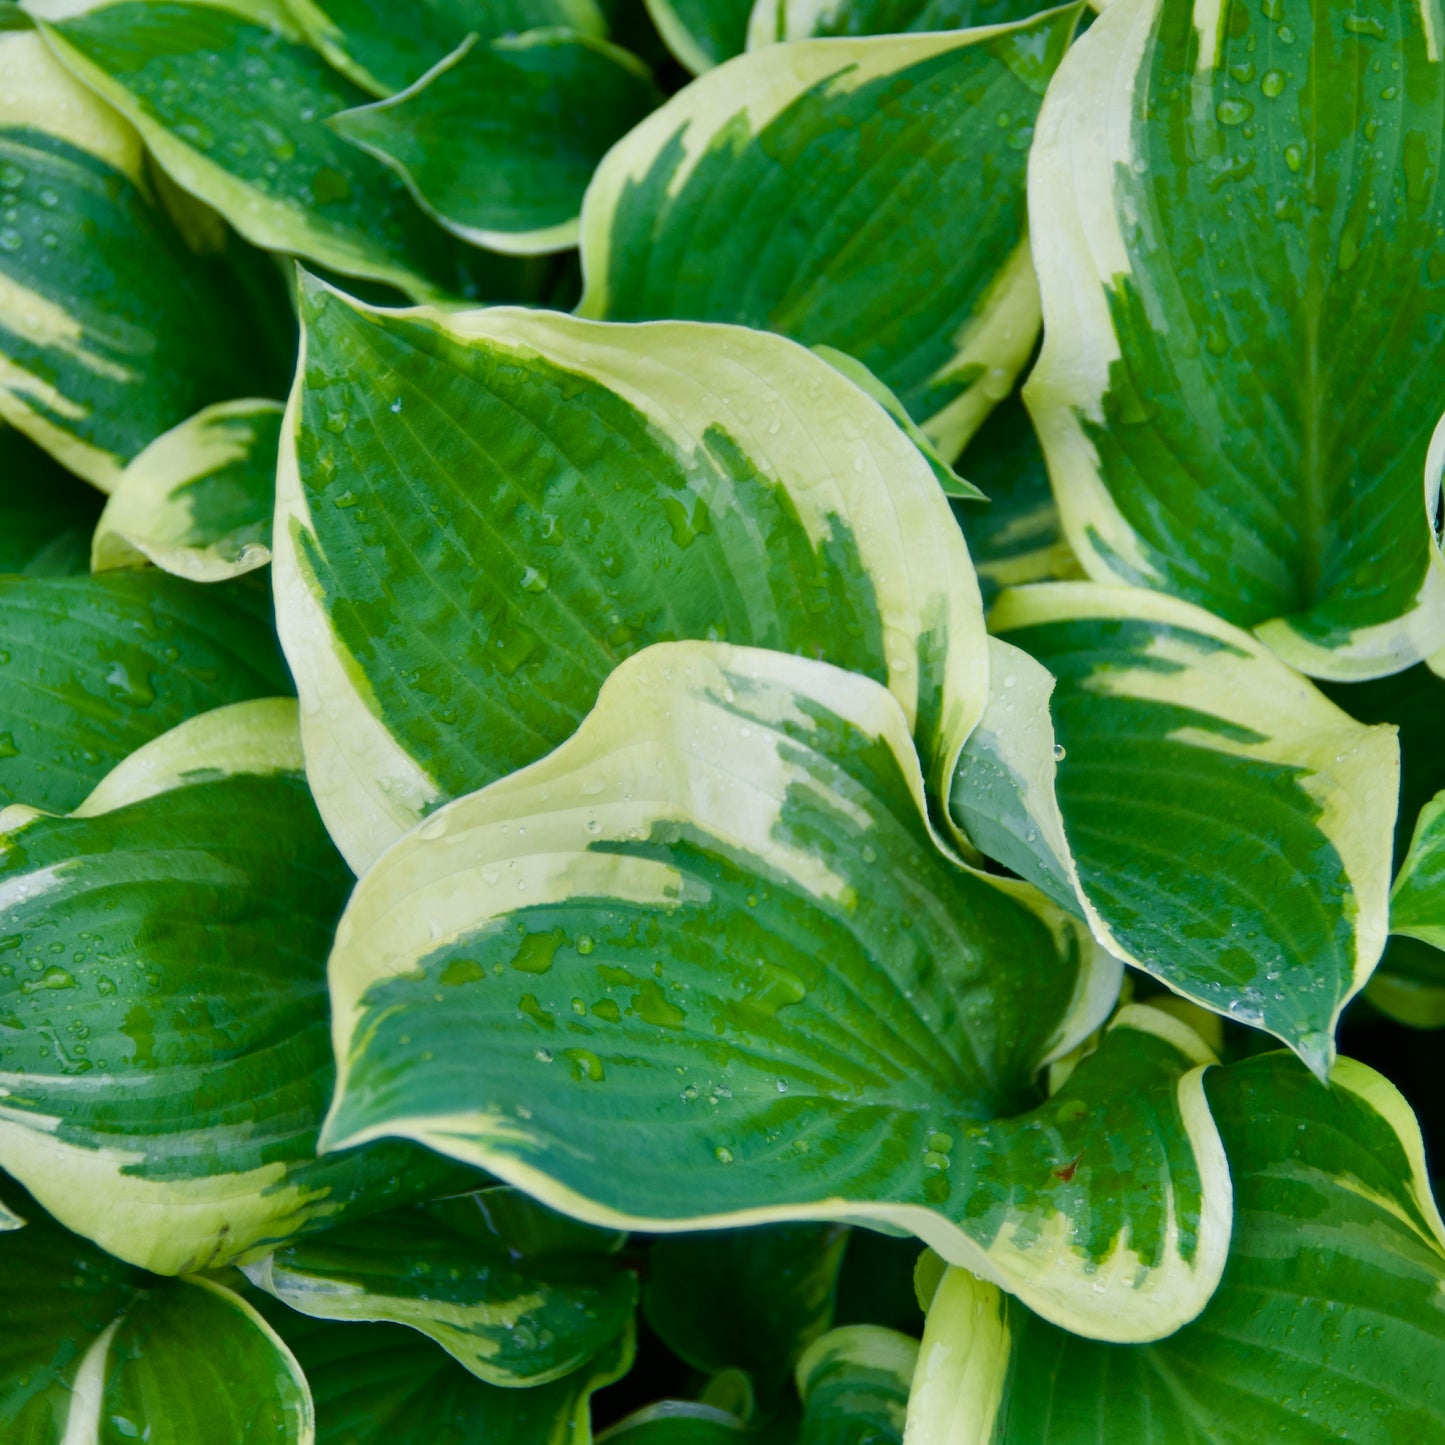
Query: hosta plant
(721, 721)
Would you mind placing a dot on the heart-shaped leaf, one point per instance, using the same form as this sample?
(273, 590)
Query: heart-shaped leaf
(1327, 1324)
(162, 1004)
(498, 142)
(867, 194)
(714, 934)
(1230, 826)
(1212, 192)
(93, 1350)
(482, 513)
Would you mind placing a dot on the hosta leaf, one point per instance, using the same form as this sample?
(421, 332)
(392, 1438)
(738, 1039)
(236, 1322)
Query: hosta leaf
(1231, 826)
(1409, 984)
(509, 1322)
(1417, 903)
(867, 194)
(163, 1017)
(747, 1299)
(498, 142)
(236, 110)
(46, 515)
(1212, 192)
(482, 513)
(92, 1350)
(713, 935)
(701, 33)
(384, 47)
(198, 500)
(382, 1385)
(774, 20)
(113, 328)
(1327, 1325)
(92, 667)
(854, 1383)
(676, 1422)
(1016, 539)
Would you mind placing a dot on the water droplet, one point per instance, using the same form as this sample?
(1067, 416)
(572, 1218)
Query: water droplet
(585, 1065)
(782, 1086)
(1233, 111)
(11, 177)
(585, 945)
(1059, 752)
(396, 405)
(10, 239)
(534, 580)
(543, 1056)
(7, 746)
(52, 978)
(1294, 158)
(1272, 84)
(690, 1093)
(1366, 25)
(723, 1154)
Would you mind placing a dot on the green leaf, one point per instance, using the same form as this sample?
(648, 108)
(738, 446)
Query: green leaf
(508, 1322)
(1417, 902)
(92, 667)
(114, 328)
(701, 33)
(235, 110)
(498, 141)
(384, 47)
(867, 194)
(484, 512)
(163, 1006)
(1016, 539)
(383, 1385)
(197, 501)
(854, 1383)
(46, 515)
(1409, 983)
(1231, 827)
(1224, 421)
(774, 20)
(753, 973)
(1327, 1325)
(676, 1422)
(746, 1299)
(94, 1352)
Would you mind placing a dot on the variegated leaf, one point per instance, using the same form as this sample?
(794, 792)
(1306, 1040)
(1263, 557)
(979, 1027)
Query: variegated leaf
(498, 141)
(482, 513)
(447, 1272)
(714, 935)
(676, 1422)
(235, 108)
(701, 33)
(384, 47)
(197, 501)
(774, 20)
(92, 667)
(163, 1020)
(1213, 190)
(1327, 1326)
(867, 194)
(854, 1384)
(112, 327)
(1230, 827)
(96, 1352)
(1417, 903)
(383, 1385)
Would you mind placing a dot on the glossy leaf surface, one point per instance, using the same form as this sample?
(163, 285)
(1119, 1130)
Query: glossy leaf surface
(701, 33)
(774, 20)
(163, 1016)
(483, 513)
(782, 192)
(854, 1383)
(1213, 192)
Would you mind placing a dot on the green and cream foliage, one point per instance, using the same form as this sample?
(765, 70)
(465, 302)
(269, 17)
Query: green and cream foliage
(165, 1064)
(1214, 189)
(1327, 1324)
(767, 803)
(115, 325)
(776, 190)
(96, 1352)
(481, 513)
